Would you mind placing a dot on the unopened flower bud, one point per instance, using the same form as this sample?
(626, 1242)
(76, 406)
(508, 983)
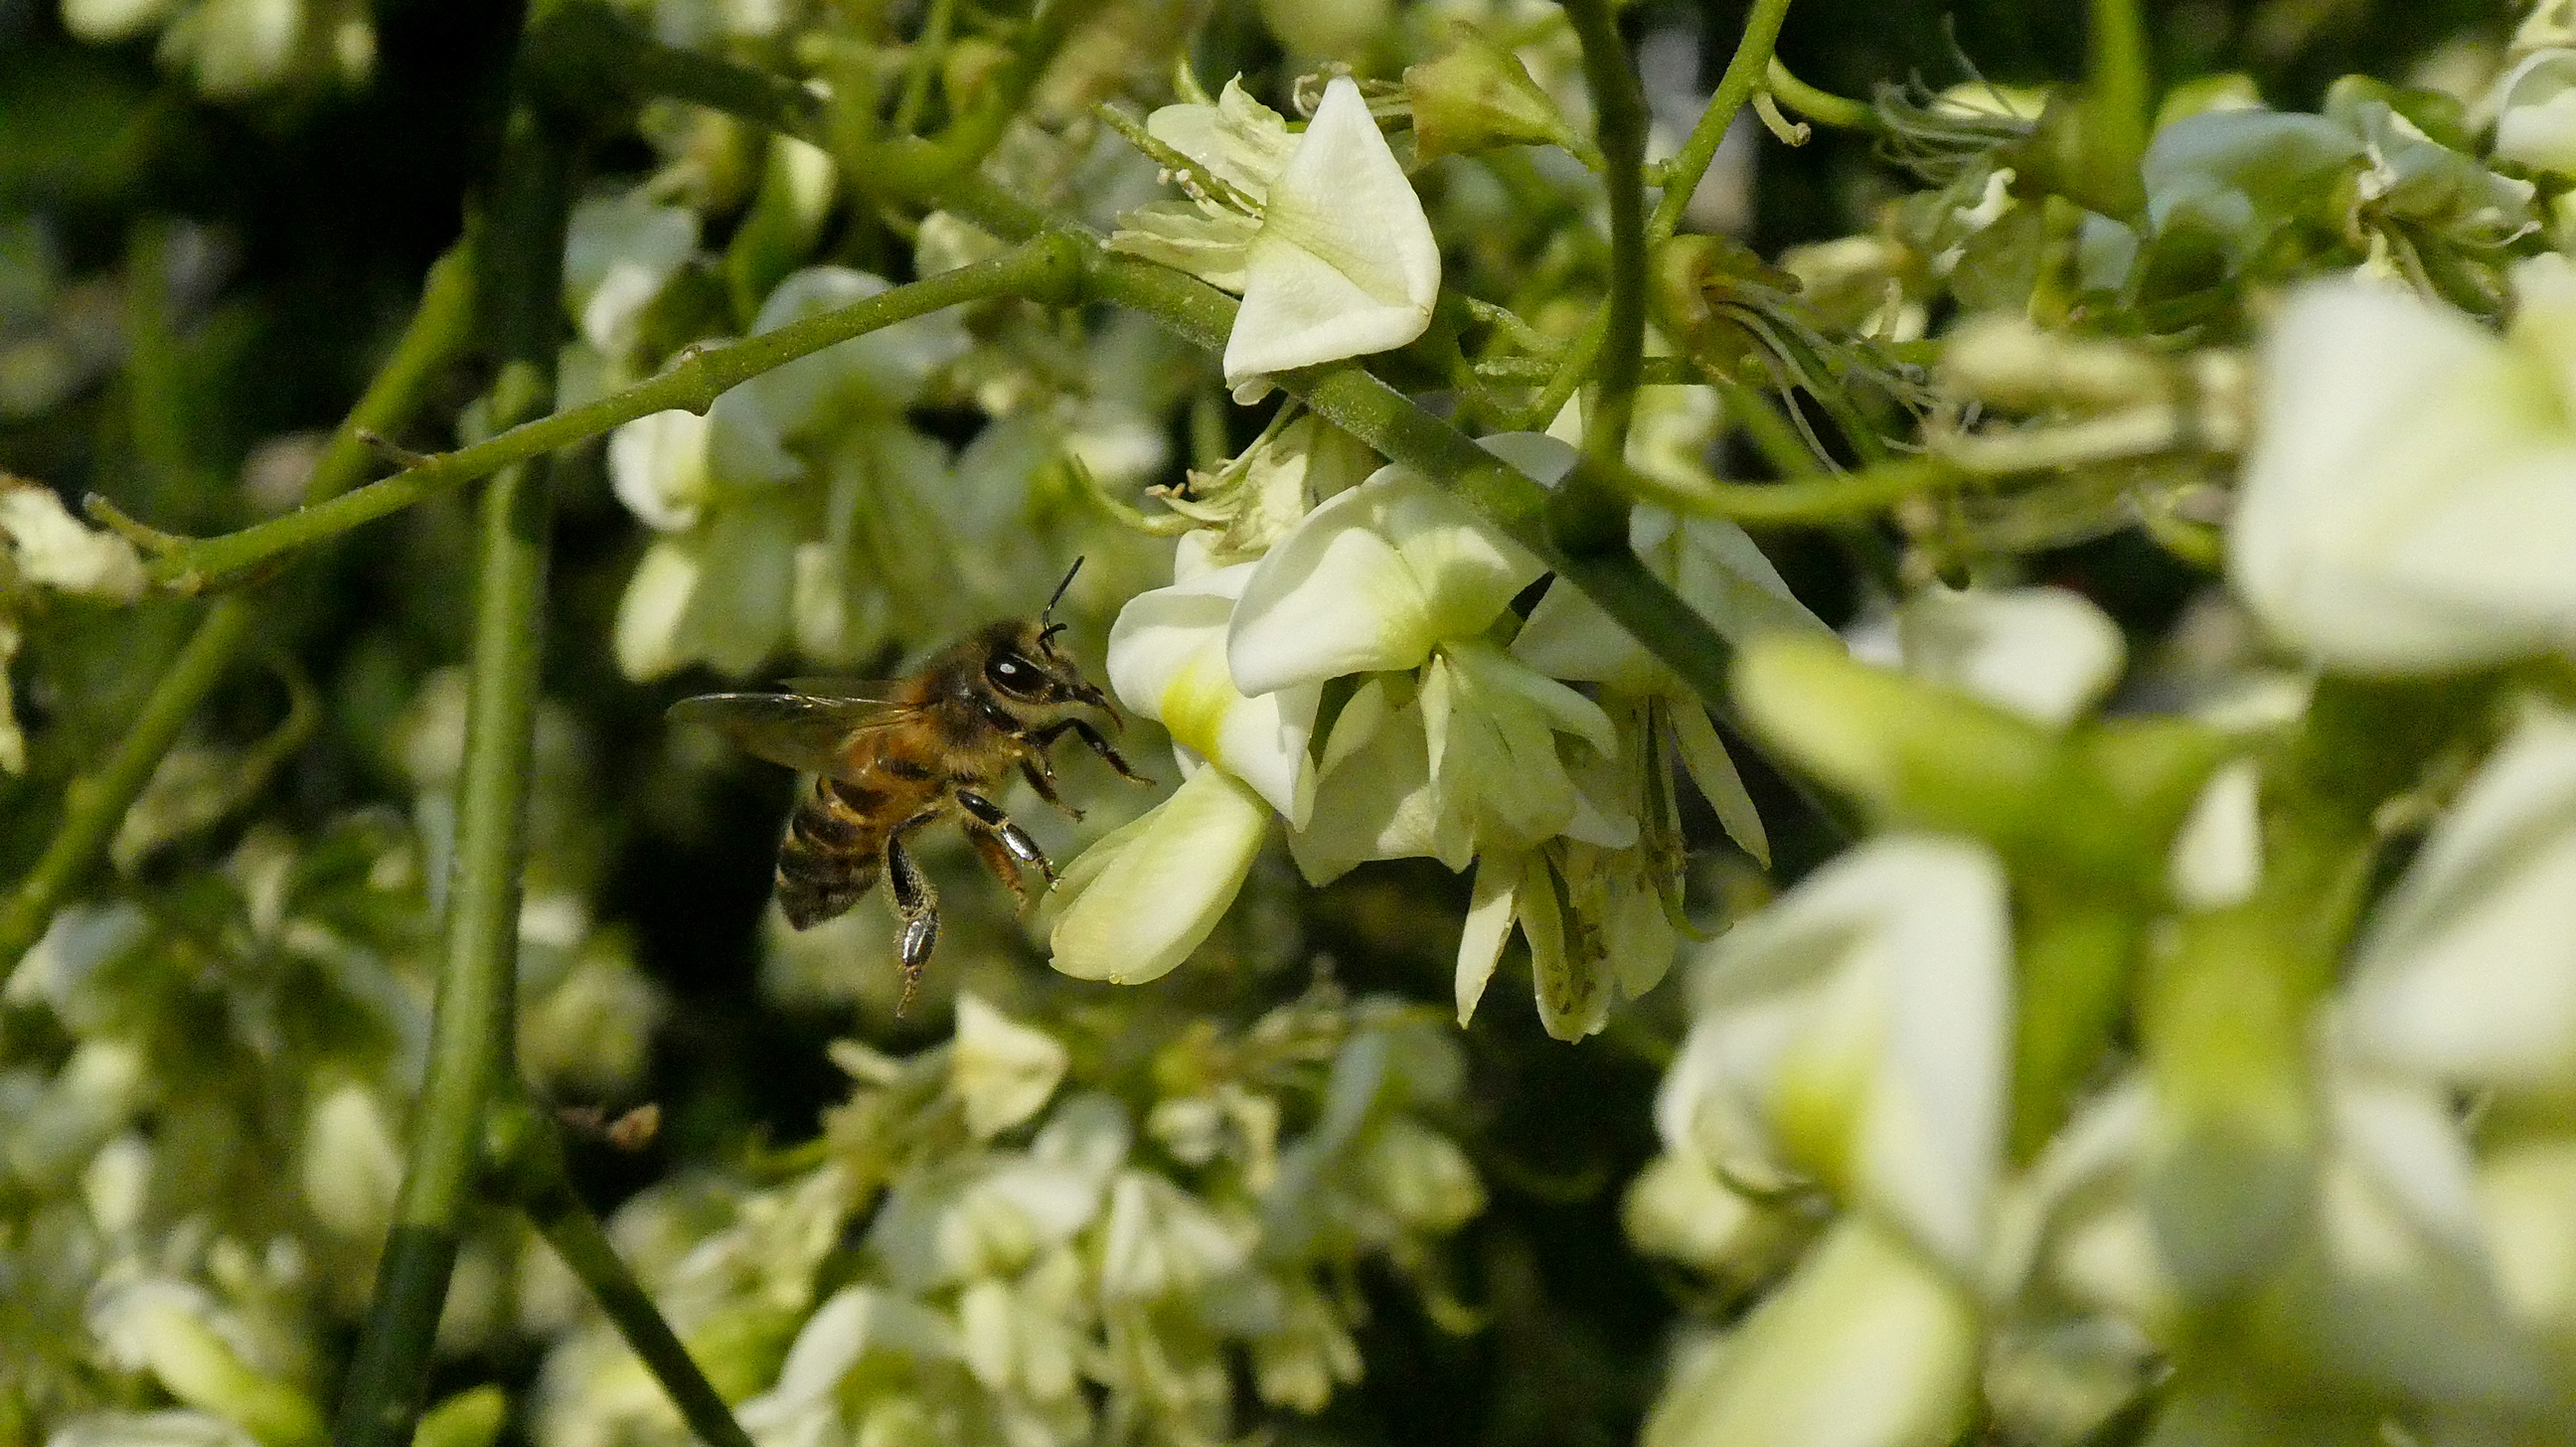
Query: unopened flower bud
(1476, 96)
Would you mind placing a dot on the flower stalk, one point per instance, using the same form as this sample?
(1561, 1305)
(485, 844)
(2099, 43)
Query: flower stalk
(692, 384)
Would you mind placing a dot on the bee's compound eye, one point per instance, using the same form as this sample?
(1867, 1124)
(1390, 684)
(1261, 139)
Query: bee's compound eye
(1013, 674)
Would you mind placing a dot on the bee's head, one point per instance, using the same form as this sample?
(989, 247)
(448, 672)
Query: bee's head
(1033, 678)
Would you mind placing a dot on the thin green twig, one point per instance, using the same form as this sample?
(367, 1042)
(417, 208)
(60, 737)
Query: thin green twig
(1744, 72)
(527, 1156)
(1619, 105)
(96, 803)
(1822, 107)
(693, 383)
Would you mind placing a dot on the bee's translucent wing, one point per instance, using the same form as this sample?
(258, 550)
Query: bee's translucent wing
(832, 686)
(807, 732)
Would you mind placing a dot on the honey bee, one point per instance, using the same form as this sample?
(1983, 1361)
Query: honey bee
(890, 759)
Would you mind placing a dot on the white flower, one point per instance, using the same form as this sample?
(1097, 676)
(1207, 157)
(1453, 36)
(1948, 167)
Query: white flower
(352, 1166)
(2217, 855)
(1374, 798)
(2410, 503)
(1345, 263)
(1001, 1070)
(2044, 653)
(1864, 1346)
(1161, 1240)
(1139, 901)
(2383, 1284)
(2468, 972)
(658, 467)
(51, 548)
(1167, 661)
(1490, 726)
(720, 595)
(1857, 1032)
(858, 1322)
(175, 1331)
(619, 251)
(2535, 111)
(1371, 581)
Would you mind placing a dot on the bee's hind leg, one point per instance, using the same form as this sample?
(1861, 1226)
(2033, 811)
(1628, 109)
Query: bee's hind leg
(987, 821)
(998, 861)
(918, 905)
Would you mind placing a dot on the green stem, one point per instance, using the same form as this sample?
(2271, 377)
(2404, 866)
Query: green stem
(470, 1045)
(694, 384)
(96, 803)
(156, 409)
(1751, 62)
(1817, 498)
(581, 50)
(910, 166)
(1822, 107)
(529, 1158)
(2118, 75)
(1620, 106)
(927, 52)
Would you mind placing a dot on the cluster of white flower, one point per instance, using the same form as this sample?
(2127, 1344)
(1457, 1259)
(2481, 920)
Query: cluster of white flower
(200, 1125)
(1001, 1245)
(2328, 1192)
(237, 49)
(1378, 610)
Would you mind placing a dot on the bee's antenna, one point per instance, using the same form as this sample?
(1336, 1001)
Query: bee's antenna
(1058, 597)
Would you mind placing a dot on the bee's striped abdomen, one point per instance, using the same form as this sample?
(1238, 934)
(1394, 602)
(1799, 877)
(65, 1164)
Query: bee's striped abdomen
(832, 853)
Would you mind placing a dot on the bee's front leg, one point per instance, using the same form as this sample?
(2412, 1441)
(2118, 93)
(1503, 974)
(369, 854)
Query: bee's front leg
(1041, 776)
(1011, 836)
(918, 904)
(1092, 739)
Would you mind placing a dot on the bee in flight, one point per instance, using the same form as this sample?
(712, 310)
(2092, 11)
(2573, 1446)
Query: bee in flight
(889, 759)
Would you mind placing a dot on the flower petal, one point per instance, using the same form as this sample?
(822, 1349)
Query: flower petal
(2045, 653)
(1488, 927)
(1345, 264)
(1863, 1347)
(1858, 1029)
(1167, 661)
(2468, 973)
(1145, 896)
(2410, 503)
(1369, 582)
(1001, 1070)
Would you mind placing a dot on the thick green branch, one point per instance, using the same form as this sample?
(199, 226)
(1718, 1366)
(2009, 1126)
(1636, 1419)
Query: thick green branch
(470, 1030)
(1743, 75)
(97, 802)
(693, 384)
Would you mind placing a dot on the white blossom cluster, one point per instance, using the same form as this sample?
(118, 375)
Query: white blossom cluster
(1454, 730)
(1000, 1243)
(2324, 1194)
(202, 1117)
